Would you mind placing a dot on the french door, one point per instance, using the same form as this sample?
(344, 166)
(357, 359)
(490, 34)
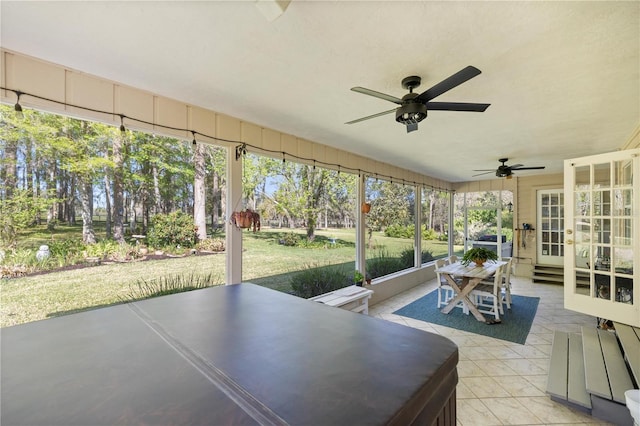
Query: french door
(550, 227)
(602, 223)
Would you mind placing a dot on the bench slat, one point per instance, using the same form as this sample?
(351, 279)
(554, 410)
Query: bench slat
(558, 365)
(596, 379)
(576, 389)
(617, 372)
(631, 344)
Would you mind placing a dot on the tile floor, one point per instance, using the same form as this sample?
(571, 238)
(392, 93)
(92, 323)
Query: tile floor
(503, 383)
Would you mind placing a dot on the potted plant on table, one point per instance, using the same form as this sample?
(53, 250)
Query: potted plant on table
(479, 255)
(358, 278)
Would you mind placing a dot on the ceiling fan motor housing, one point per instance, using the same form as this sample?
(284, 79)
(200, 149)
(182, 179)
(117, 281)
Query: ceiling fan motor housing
(411, 113)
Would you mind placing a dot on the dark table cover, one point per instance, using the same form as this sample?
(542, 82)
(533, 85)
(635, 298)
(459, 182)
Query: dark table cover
(239, 354)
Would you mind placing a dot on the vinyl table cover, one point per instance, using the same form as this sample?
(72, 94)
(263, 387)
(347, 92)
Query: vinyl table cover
(238, 354)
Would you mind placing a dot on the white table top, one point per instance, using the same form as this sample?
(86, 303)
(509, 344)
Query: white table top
(472, 271)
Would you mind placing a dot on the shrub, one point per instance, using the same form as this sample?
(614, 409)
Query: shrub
(383, 264)
(211, 244)
(66, 252)
(102, 249)
(429, 234)
(144, 289)
(402, 231)
(291, 239)
(399, 231)
(171, 230)
(406, 257)
(316, 280)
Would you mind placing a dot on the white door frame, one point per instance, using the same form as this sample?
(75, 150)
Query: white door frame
(602, 221)
(550, 229)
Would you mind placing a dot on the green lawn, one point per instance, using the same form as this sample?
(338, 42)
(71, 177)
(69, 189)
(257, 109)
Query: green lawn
(265, 262)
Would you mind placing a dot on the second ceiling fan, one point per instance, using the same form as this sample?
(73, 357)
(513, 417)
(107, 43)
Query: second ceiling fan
(506, 171)
(413, 107)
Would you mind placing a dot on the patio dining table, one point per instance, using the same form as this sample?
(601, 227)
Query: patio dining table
(471, 276)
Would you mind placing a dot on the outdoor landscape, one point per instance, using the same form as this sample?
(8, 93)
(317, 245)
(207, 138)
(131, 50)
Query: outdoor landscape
(92, 215)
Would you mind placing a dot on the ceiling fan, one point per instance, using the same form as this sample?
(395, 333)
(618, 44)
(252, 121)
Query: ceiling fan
(413, 107)
(506, 171)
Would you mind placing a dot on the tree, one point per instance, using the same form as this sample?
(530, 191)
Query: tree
(391, 203)
(199, 198)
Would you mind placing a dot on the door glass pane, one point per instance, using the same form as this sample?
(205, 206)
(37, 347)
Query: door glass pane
(582, 283)
(623, 261)
(622, 232)
(582, 256)
(583, 204)
(582, 177)
(603, 258)
(622, 202)
(623, 173)
(603, 286)
(624, 290)
(602, 175)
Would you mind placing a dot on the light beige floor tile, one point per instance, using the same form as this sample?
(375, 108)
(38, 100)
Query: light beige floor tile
(519, 386)
(546, 348)
(503, 352)
(484, 387)
(496, 367)
(539, 381)
(470, 369)
(510, 412)
(549, 411)
(472, 412)
(463, 391)
(463, 341)
(524, 367)
(529, 352)
(476, 353)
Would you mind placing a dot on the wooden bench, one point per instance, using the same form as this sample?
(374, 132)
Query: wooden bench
(352, 298)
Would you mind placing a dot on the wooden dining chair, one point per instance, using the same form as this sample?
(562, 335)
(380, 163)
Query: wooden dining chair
(488, 297)
(506, 282)
(445, 291)
(453, 258)
(505, 287)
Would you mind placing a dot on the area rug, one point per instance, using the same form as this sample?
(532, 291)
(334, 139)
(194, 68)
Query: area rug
(514, 327)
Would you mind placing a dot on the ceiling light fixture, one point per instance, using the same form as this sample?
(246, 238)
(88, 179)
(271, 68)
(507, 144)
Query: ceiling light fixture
(411, 114)
(195, 142)
(122, 128)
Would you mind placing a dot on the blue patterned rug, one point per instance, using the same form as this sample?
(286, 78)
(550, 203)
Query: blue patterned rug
(514, 327)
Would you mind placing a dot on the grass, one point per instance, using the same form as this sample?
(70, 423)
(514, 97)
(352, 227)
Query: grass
(265, 262)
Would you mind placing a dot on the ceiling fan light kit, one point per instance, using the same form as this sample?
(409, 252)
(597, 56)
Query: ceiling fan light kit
(413, 107)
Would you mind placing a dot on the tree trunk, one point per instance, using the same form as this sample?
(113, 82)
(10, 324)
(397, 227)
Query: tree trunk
(118, 202)
(199, 197)
(86, 193)
(107, 196)
(215, 218)
(10, 167)
(157, 199)
(71, 198)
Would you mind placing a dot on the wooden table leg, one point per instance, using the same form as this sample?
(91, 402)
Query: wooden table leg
(462, 294)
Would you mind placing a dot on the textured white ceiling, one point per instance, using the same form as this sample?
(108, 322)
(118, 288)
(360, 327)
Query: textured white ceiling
(562, 78)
